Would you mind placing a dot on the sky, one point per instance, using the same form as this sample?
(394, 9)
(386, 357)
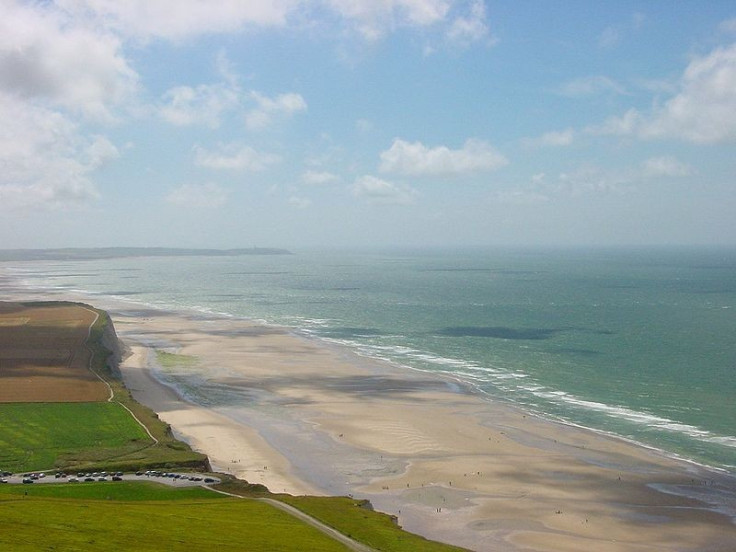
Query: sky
(345, 123)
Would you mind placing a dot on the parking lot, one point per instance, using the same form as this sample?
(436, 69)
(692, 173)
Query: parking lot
(174, 479)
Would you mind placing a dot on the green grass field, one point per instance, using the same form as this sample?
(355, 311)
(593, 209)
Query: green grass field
(46, 435)
(32, 524)
(117, 490)
(374, 529)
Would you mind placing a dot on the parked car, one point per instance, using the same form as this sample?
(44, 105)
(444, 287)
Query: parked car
(27, 480)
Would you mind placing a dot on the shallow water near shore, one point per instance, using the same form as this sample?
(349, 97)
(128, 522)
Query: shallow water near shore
(633, 343)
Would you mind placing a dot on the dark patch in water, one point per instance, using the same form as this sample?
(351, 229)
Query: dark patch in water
(500, 332)
(578, 352)
(598, 332)
(504, 271)
(714, 267)
(712, 291)
(258, 273)
(122, 292)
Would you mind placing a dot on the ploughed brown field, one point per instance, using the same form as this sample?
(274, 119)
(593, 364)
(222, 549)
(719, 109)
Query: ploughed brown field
(43, 354)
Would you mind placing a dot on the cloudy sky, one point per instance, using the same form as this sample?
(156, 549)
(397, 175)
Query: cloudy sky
(300, 123)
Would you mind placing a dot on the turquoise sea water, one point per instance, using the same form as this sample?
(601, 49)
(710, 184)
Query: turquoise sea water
(639, 343)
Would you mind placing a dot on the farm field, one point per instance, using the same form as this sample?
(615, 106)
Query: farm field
(54, 409)
(39, 436)
(44, 356)
(173, 525)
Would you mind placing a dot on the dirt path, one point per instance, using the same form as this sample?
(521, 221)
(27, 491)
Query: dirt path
(103, 380)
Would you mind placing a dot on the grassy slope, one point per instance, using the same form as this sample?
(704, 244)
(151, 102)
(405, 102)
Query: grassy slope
(375, 529)
(222, 525)
(123, 490)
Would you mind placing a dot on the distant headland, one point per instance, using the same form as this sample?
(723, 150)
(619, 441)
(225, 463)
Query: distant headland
(83, 254)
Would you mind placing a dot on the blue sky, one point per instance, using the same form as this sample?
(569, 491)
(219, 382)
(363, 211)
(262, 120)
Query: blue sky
(300, 123)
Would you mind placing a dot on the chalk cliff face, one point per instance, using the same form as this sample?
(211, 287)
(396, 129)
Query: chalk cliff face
(113, 344)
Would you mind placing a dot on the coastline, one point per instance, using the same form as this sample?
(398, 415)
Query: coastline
(307, 418)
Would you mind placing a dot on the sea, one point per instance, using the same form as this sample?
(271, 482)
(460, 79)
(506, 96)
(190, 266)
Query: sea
(637, 343)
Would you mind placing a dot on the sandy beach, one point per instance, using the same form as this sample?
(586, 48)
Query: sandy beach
(304, 418)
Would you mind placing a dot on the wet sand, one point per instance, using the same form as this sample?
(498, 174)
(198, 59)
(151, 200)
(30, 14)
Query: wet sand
(301, 417)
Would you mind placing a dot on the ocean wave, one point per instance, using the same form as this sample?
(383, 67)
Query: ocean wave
(648, 420)
(509, 383)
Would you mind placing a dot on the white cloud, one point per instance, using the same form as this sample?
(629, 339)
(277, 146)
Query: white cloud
(180, 19)
(100, 151)
(593, 85)
(371, 18)
(319, 178)
(282, 105)
(520, 197)
(539, 178)
(637, 20)
(470, 28)
(665, 166)
(300, 202)
(728, 26)
(417, 159)
(44, 55)
(204, 104)
(364, 125)
(46, 162)
(234, 157)
(208, 196)
(379, 191)
(703, 111)
(609, 38)
(555, 138)
(590, 179)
